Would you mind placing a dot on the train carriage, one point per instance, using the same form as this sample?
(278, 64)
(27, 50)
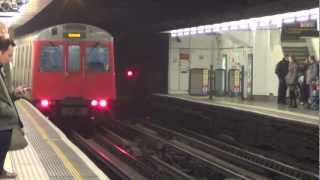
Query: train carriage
(70, 69)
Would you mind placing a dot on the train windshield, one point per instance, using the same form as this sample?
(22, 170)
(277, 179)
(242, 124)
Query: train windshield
(97, 59)
(51, 58)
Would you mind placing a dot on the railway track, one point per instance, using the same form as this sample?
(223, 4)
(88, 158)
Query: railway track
(241, 157)
(148, 151)
(109, 162)
(173, 157)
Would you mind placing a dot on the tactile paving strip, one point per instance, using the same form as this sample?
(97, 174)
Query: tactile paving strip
(48, 157)
(53, 165)
(27, 165)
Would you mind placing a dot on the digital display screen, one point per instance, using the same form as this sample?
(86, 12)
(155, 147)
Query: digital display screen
(74, 35)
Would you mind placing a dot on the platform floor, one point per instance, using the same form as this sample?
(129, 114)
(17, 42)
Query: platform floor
(49, 155)
(269, 108)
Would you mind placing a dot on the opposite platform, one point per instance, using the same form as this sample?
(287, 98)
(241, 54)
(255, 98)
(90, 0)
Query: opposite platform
(260, 107)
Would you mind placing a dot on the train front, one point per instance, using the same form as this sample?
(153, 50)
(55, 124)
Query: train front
(74, 72)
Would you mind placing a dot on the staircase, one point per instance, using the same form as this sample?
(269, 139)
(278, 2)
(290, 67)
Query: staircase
(298, 49)
(294, 39)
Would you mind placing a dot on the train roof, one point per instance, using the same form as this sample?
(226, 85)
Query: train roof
(72, 31)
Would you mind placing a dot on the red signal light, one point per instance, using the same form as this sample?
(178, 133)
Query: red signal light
(129, 73)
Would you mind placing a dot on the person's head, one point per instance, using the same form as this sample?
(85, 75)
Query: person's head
(290, 58)
(312, 59)
(284, 59)
(6, 50)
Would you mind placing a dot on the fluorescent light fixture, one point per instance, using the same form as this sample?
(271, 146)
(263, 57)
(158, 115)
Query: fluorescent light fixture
(302, 18)
(174, 31)
(288, 15)
(244, 25)
(254, 23)
(180, 32)
(313, 11)
(314, 16)
(193, 30)
(234, 25)
(186, 31)
(264, 22)
(200, 29)
(276, 20)
(208, 28)
(288, 20)
(225, 26)
(216, 27)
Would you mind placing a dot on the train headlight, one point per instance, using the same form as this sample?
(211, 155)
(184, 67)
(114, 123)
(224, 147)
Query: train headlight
(103, 103)
(45, 103)
(94, 103)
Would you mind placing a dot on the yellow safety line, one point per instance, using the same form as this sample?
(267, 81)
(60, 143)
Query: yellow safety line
(69, 166)
(271, 109)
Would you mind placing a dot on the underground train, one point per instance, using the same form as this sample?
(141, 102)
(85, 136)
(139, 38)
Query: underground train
(69, 68)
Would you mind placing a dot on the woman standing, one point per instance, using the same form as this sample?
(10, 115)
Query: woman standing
(291, 80)
(311, 75)
(304, 92)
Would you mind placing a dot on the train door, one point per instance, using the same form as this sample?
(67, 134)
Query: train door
(73, 69)
(99, 69)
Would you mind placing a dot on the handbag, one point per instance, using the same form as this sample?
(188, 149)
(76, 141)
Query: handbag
(18, 141)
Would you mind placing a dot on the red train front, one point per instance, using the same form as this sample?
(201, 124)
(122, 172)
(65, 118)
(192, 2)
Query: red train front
(70, 69)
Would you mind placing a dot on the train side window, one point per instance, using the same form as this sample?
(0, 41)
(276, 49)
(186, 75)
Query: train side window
(51, 59)
(74, 58)
(97, 59)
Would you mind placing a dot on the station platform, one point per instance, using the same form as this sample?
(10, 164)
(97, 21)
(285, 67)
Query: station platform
(269, 108)
(49, 155)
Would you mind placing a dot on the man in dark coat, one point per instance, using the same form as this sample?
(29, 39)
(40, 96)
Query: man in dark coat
(282, 71)
(9, 118)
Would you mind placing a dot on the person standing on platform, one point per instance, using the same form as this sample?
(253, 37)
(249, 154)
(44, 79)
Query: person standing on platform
(304, 91)
(9, 118)
(282, 71)
(311, 76)
(291, 80)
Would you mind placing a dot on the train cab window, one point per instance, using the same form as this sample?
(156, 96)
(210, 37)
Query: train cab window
(74, 58)
(97, 59)
(51, 59)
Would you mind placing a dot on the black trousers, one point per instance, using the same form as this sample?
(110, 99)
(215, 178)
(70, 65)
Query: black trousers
(292, 95)
(282, 90)
(5, 139)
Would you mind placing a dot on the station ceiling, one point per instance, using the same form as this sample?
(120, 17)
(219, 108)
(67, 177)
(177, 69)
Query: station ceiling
(128, 16)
